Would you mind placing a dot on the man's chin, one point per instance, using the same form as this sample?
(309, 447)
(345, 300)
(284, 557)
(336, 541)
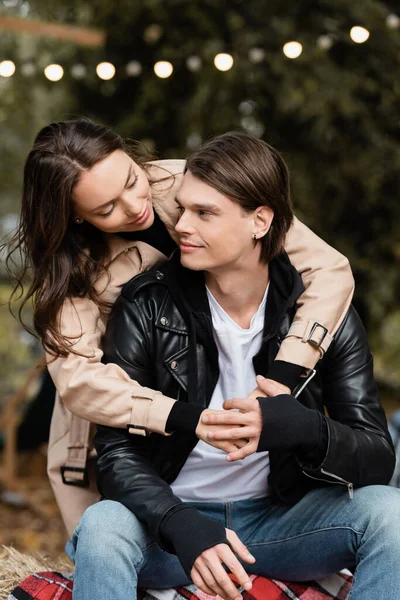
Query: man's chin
(190, 262)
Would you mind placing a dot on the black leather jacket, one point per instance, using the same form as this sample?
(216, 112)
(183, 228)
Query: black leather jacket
(160, 332)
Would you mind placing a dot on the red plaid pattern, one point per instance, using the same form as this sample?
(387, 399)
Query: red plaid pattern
(58, 586)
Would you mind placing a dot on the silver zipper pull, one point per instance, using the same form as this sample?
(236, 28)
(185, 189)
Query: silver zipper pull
(350, 487)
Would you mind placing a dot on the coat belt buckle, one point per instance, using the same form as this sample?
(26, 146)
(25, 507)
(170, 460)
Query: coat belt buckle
(84, 482)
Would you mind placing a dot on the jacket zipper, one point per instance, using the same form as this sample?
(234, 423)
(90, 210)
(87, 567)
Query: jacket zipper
(350, 486)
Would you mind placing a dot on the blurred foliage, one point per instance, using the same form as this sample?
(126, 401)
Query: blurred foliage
(17, 350)
(334, 113)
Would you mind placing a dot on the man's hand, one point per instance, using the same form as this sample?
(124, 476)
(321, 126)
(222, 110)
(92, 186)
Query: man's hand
(203, 432)
(210, 576)
(244, 423)
(243, 428)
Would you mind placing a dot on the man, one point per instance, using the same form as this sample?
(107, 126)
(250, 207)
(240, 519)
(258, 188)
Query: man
(200, 328)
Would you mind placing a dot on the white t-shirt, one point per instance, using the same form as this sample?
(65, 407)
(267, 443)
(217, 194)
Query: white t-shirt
(207, 476)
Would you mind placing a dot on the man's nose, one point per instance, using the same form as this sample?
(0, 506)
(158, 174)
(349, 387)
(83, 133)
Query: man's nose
(183, 225)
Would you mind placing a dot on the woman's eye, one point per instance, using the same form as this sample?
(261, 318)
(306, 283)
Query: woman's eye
(107, 213)
(133, 183)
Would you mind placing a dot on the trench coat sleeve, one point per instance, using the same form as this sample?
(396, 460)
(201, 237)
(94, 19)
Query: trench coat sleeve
(329, 287)
(102, 393)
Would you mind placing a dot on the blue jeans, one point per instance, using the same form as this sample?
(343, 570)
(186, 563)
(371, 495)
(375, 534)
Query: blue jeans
(322, 534)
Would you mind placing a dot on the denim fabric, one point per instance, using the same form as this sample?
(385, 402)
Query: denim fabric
(323, 533)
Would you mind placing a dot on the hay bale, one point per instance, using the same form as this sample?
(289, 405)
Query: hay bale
(16, 566)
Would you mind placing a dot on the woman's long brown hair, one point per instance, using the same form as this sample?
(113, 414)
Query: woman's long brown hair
(62, 258)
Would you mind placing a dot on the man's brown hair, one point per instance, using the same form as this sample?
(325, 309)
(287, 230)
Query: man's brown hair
(252, 174)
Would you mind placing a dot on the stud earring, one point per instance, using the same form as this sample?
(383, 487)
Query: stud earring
(78, 221)
(254, 236)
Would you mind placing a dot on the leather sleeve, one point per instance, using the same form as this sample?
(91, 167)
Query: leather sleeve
(329, 287)
(360, 450)
(125, 474)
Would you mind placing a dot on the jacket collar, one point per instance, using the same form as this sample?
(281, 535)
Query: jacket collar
(285, 286)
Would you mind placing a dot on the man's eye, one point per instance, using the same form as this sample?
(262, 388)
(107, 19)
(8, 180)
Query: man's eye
(180, 209)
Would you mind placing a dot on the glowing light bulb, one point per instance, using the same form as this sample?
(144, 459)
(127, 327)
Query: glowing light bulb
(7, 68)
(105, 71)
(359, 35)
(163, 69)
(292, 49)
(223, 61)
(54, 72)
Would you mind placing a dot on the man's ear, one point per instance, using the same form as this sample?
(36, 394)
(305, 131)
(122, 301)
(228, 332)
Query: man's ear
(263, 217)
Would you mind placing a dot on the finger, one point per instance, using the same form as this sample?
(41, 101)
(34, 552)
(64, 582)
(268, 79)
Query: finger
(223, 585)
(226, 418)
(244, 404)
(240, 575)
(200, 583)
(234, 434)
(271, 387)
(243, 452)
(237, 546)
(205, 416)
(229, 446)
(210, 578)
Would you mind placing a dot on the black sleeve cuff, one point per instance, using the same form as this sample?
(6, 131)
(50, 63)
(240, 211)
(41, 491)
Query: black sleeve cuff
(313, 458)
(189, 532)
(183, 417)
(286, 373)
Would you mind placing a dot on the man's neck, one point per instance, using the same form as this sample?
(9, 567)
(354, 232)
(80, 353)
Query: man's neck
(239, 291)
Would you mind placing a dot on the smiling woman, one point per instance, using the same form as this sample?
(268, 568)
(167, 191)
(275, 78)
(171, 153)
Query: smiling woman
(114, 195)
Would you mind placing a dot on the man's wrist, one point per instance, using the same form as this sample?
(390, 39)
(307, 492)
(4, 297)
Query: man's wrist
(287, 424)
(190, 533)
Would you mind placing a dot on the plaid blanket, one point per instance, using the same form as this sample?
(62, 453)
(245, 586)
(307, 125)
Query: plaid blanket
(58, 586)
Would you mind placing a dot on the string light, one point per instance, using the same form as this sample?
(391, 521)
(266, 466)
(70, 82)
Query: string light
(256, 55)
(325, 42)
(28, 69)
(223, 61)
(133, 68)
(78, 71)
(359, 35)
(163, 69)
(193, 63)
(105, 70)
(54, 72)
(292, 49)
(7, 68)
(393, 21)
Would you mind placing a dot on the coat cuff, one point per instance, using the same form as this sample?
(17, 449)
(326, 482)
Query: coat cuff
(286, 373)
(183, 417)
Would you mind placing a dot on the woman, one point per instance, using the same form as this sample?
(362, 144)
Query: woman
(93, 217)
